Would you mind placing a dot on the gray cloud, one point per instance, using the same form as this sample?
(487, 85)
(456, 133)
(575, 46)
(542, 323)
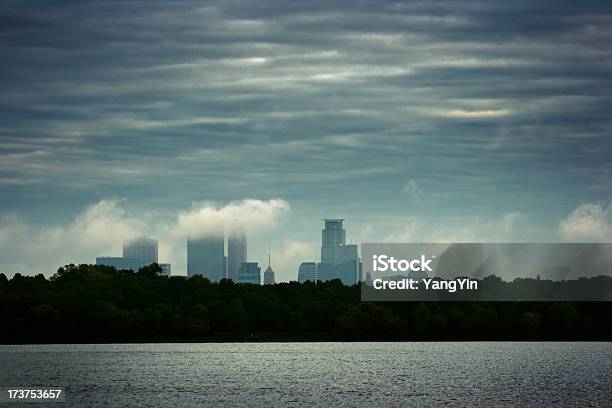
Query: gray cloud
(101, 228)
(589, 222)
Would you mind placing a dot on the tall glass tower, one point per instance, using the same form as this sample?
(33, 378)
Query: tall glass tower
(338, 260)
(236, 253)
(142, 250)
(331, 238)
(205, 256)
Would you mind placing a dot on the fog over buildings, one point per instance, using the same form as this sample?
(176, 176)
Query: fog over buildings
(143, 249)
(236, 253)
(137, 252)
(206, 257)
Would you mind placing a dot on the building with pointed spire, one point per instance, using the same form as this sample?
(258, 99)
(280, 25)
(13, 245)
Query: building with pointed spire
(269, 275)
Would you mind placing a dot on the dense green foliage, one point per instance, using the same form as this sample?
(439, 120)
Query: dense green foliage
(88, 303)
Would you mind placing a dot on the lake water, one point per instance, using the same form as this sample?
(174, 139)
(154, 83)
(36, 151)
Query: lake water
(314, 374)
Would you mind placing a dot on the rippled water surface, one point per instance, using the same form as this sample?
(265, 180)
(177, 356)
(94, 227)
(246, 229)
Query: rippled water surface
(313, 374)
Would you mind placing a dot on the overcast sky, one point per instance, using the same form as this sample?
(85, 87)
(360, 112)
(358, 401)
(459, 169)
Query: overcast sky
(462, 120)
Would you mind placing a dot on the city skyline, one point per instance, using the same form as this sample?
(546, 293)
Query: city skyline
(207, 256)
(107, 217)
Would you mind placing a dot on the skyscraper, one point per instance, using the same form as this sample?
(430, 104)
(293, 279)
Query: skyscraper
(307, 272)
(338, 260)
(205, 256)
(269, 275)
(236, 253)
(141, 249)
(332, 237)
(137, 252)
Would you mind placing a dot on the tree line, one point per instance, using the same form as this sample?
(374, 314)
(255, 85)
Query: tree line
(95, 303)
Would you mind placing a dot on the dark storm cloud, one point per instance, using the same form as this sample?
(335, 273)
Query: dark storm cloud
(274, 98)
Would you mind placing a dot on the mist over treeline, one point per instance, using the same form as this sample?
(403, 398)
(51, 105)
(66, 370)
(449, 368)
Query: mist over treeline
(92, 303)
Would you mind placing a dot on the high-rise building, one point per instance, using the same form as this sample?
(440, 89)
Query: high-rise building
(332, 237)
(339, 260)
(205, 256)
(141, 248)
(307, 272)
(137, 252)
(269, 275)
(236, 253)
(249, 272)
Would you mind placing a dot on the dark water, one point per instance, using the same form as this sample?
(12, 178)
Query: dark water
(317, 374)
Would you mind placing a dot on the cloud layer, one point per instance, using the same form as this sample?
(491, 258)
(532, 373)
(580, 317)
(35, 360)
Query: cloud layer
(100, 229)
(234, 99)
(248, 215)
(590, 222)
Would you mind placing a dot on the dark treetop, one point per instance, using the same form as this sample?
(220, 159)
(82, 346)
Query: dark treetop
(88, 303)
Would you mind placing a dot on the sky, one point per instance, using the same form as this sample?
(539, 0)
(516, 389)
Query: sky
(441, 121)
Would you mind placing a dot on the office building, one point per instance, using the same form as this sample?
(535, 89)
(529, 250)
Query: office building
(249, 272)
(269, 275)
(334, 249)
(339, 260)
(205, 256)
(137, 252)
(333, 236)
(141, 248)
(307, 272)
(236, 253)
